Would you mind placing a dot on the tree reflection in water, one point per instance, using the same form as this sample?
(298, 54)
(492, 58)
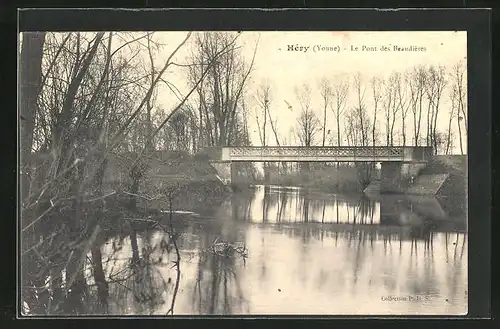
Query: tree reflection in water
(384, 244)
(217, 289)
(137, 286)
(135, 283)
(454, 272)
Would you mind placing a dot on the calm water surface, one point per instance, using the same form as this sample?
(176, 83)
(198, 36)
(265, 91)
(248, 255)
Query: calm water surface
(308, 253)
(300, 251)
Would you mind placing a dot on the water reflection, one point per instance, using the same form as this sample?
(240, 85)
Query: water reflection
(309, 253)
(272, 204)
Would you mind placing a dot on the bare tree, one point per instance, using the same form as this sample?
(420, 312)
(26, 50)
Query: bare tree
(76, 72)
(459, 92)
(395, 108)
(351, 128)
(178, 134)
(30, 84)
(405, 102)
(265, 99)
(340, 90)
(221, 93)
(417, 87)
(274, 127)
(90, 96)
(451, 116)
(326, 93)
(388, 105)
(151, 97)
(358, 129)
(376, 85)
(430, 93)
(360, 108)
(308, 125)
(356, 133)
(436, 84)
(262, 97)
(30, 79)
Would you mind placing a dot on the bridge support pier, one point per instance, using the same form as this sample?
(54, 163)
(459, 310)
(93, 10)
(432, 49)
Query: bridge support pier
(223, 171)
(391, 177)
(227, 171)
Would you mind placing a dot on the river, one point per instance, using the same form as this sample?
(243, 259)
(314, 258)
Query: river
(294, 251)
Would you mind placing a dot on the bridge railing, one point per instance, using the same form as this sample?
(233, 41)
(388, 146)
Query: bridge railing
(416, 153)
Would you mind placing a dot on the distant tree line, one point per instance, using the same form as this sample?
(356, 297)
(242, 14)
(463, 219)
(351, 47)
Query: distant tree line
(401, 109)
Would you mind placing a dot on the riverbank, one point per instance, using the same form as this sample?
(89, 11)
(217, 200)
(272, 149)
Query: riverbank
(452, 169)
(191, 181)
(184, 180)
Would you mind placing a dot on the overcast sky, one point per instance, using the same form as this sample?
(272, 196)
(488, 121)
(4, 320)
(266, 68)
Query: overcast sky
(285, 70)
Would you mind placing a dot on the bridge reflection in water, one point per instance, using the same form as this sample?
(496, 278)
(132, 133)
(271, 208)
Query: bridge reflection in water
(273, 204)
(308, 253)
(339, 254)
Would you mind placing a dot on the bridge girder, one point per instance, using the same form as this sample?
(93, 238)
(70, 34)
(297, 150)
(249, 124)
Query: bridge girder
(407, 154)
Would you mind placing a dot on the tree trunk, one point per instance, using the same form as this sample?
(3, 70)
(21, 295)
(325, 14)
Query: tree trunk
(387, 128)
(448, 137)
(417, 133)
(135, 247)
(62, 139)
(434, 125)
(30, 76)
(392, 129)
(403, 128)
(429, 124)
(265, 123)
(338, 131)
(100, 279)
(74, 304)
(460, 135)
(415, 137)
(324, 125)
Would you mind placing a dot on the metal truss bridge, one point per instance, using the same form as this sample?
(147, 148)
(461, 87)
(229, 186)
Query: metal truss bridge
(407, 154)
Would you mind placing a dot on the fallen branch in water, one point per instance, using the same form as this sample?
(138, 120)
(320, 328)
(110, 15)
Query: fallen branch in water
(145, 197)
(225, 249)
(141, 220)
(154, 223)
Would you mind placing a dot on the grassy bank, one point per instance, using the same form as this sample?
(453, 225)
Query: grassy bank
(456, 168)
(185, 182)
(445, 177)
(188, 181)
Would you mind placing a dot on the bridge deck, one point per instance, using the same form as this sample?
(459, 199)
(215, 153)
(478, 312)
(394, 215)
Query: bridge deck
(326, 154)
